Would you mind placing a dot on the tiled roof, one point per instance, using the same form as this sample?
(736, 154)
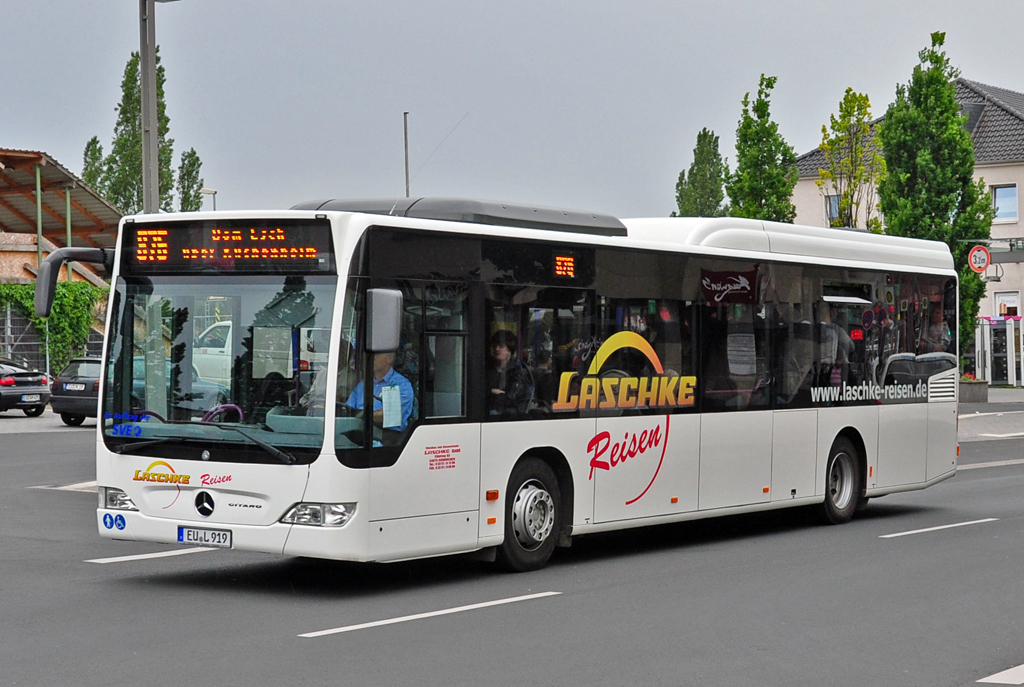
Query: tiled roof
(995, 120)
(998, 134)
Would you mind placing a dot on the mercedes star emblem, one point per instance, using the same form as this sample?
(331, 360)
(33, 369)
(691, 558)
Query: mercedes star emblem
(204, 504)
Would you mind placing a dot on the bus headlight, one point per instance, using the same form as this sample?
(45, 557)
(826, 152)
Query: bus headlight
(115, 499)
(320, 514)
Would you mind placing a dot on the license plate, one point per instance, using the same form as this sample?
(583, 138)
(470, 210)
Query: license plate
(30, 398)
(199, 537)
(74, 387)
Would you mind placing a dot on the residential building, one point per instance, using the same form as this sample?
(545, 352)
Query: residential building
(995, 119)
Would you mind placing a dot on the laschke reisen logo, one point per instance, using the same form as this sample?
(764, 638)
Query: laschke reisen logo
(617, 392)
(152, 474)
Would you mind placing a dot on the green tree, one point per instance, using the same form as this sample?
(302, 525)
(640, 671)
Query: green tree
(929, 191)
(700, 193)
(853, 153)
(92, 163)
(118, 176)
(762, 185)
(189, 182)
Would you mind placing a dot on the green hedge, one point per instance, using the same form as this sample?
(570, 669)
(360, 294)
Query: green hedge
(70, 320)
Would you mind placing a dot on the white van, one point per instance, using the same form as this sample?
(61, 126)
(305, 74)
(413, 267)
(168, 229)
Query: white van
(272, 351)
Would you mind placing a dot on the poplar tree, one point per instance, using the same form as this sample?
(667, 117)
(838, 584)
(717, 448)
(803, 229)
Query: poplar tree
(700, 193)
(929, 191)
(118, 176)
(853, 153)
(189, 182)
(762, 185)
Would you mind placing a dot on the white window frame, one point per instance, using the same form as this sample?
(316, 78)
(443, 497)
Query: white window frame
(830, 201)
(1004, 220)
(1009, 298)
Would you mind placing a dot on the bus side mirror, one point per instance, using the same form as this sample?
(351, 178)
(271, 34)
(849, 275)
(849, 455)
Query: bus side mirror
(384, 321)
(46, 278)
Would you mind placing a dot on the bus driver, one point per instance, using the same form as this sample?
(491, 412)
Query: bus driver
(385, 381)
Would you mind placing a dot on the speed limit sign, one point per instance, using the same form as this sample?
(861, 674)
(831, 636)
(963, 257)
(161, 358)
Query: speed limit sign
(979, 259)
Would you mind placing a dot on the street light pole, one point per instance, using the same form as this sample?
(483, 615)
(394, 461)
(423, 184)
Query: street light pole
(210, 192)
(147, 65)
(405, 120)
(150, 138)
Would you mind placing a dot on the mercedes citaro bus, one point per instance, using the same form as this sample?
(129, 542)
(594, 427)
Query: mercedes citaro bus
(534, 374)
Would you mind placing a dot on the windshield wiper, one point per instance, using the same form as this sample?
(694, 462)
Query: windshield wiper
(283, 456)
(125, 448)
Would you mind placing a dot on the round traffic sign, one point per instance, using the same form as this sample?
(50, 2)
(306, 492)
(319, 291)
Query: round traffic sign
(979, 259)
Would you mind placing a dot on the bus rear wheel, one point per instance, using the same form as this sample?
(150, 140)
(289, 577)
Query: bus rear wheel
(532, 505)
(842, 482)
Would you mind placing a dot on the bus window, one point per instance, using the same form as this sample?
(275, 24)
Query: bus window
(534, 335)
(664, 332)
(445, 331)
(736, 331)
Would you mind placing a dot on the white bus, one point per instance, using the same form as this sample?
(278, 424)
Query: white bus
(535, 374)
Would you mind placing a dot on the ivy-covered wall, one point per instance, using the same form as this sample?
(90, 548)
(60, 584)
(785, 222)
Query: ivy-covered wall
(70, 319)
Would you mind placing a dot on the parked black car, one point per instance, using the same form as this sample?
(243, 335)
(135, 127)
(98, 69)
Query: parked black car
(22, 388)
(76, 391)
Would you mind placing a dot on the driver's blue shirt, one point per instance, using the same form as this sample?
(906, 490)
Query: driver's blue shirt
(392, 378)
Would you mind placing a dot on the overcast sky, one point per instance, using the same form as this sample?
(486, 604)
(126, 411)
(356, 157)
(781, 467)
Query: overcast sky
(585, 104)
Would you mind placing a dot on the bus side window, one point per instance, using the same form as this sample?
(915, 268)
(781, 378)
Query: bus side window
(546, 332)
(664, 324)
(445, 333)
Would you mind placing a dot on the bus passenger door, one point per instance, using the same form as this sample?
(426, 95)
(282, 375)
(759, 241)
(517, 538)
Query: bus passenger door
(652, 466)
(737, 387)
(424, 492)
(644, 457)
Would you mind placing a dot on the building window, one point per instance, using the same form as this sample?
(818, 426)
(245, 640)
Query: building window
(832, 209)
(1004, 198)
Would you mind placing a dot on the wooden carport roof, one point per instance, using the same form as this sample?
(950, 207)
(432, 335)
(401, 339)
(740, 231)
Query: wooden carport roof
(93, 219)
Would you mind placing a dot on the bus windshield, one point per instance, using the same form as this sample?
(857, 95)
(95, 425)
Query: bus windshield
(220, 368)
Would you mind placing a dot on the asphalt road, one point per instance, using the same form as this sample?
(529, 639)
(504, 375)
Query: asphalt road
(760, 600)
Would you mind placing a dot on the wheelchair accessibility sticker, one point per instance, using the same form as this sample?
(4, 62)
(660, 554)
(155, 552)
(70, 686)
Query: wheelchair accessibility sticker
(111, 521)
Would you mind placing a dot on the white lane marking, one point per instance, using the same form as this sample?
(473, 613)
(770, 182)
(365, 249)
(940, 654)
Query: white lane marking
(87, 487)
(432, 614)
(1013, 676)
(935, 529)
(993, 464)
(1003, 436)
(1005, 412)
(145, 556)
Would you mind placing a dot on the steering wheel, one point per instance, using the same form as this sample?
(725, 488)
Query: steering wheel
(221, 409)
(152, 413)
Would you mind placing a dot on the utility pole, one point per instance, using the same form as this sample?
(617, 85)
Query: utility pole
(405, 118)
(147, 64)
(150, 139)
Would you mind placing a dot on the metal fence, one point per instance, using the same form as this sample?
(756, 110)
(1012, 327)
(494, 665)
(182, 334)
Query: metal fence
(20, 342)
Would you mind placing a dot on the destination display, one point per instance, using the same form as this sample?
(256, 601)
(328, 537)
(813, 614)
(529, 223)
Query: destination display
(237, 246)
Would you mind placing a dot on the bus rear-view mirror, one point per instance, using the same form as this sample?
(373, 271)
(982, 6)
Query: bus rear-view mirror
(384, 321)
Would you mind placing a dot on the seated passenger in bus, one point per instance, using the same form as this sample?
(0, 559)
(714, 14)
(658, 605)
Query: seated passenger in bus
(544, 382)
(935, 337)
(509, 383)
(386, 383)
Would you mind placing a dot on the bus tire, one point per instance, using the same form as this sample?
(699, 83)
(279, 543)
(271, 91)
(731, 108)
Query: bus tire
(532, 505)
(842, 482)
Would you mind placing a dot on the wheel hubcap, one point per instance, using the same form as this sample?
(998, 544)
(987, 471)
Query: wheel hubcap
(840, 481)
(533, 515)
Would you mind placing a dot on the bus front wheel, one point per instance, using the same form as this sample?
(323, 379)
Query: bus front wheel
(531, 516)
(842, 482)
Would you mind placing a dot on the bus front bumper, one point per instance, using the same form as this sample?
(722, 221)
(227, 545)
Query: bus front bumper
(339, 543)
